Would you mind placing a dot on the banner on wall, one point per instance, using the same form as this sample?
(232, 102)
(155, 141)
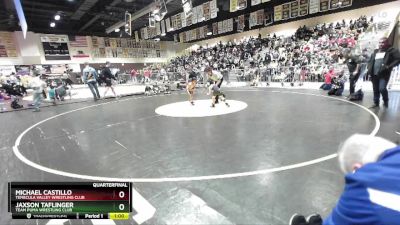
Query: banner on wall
(347, 3)
(168, 24)
(7, 45)
(195, 14)
(55, 47)
(214, 9)
(200, 14)
(334, 4)
(220, 27)
(260, 17)
(207, 11)
(201, 32)
(242, 4)
(23, 70)
(314, 6)
(189, 20)
(194, 35)
(78, 41)
(303, 7)
(230, 25)
(136, 36)
(215, 28)
(253, 19)
(241, 23)
(255, 2)
(158, 28)
(294, 9)
(323, 5)
(278, 13)
(183, 19)
(268, 18)
(233, 5)
(178, 21)
(7, 70)
(286, 11)
(145, 33)
(163, 27)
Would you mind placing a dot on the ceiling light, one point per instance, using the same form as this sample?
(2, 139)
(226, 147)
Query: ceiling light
(52, 24)
(117, 30)
(156, 39)
(163, 34)
(209, 33)
(57, 17)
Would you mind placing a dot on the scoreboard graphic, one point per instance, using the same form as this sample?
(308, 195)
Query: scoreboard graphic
(97, 200)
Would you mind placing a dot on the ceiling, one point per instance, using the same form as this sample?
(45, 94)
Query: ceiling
(78, 17)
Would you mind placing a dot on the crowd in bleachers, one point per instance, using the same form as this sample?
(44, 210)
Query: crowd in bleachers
(306, 55)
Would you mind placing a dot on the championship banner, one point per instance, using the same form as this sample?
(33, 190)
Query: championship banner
(207, 11)
(334, 4)
(189, 20)
(195, 14)
(158, 28)
(167, 25)
(314, 6)
(241, 23)
(200, 14)
(214, 9)
(346, 3)
(224, 26)
(220, 28)
(201, 32)
(260, 17)
(268, 18)
(79, 47)
(181, 37)
(253, 19)
(255, 2)
(303, 7)
(215, 28)
(178, 21)
(278, 13)
(188, 36)
(183, 19)
(194, 35)
(230, 25)
(242, 4)
(136, 36)
(145, 33)
(233, 5)
(286, 11)
(163, 27)
(323, 5)
(294, 9)
(7, 45)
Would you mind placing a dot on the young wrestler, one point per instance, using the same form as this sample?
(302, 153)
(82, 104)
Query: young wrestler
(217, 93)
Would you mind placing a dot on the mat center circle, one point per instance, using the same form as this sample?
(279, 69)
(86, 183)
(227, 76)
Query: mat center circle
(201, 108)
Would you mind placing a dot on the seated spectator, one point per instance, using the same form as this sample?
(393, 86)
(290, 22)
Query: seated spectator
(372, 192)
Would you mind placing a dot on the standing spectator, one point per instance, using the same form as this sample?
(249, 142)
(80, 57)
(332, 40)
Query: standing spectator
(108, 77)
(38, 86)
(380, 67)
(90, 78)
(134, 75)
(353, 64)
(372, 190)
(147, 74)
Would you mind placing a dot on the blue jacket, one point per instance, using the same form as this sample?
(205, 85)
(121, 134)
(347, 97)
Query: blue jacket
(371, 195)
(89, 75)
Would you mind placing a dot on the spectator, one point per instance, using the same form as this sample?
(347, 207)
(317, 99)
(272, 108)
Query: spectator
(147, 74)
(38, 86)
(371, 192)
(134, 75)
(90, 78)
(108, 77)
(380, 67)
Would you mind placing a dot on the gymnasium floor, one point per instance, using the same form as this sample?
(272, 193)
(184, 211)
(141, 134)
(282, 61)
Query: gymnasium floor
(269, 155)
